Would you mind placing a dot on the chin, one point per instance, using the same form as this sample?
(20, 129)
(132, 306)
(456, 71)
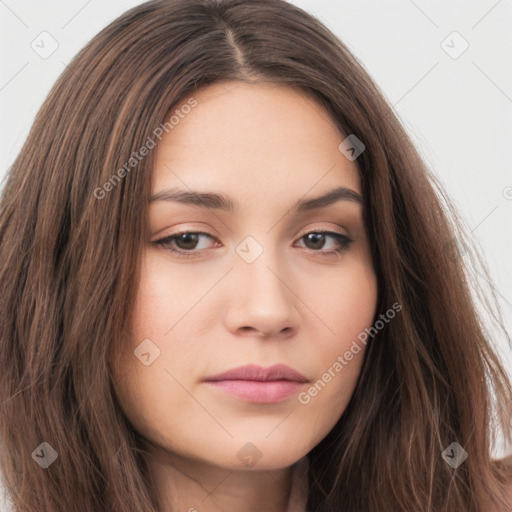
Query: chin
(266, 454)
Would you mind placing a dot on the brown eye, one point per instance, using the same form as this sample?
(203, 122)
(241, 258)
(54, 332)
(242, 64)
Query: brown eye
(187, 241)
(316, 241)
(184, 244)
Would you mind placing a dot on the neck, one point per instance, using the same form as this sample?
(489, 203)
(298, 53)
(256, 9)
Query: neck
(196, 486)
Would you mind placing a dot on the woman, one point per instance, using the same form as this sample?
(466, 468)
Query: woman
(229, 283)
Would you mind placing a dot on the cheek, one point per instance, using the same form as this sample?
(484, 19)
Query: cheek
(348, 309)
(155, 302)
(151, 394)
(346, 305)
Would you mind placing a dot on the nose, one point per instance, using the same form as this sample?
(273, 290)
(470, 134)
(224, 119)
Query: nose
(263, 301)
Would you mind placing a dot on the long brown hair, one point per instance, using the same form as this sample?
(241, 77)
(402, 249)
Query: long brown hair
(69, 270)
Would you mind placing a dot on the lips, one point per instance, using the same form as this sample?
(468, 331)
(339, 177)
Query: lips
(258, 373)
(257, 384)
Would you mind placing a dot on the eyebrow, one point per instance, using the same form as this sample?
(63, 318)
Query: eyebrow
(221, 202)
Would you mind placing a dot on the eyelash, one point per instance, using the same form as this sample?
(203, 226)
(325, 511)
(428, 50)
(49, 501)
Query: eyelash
(343, 241)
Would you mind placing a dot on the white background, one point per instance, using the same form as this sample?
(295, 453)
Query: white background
(458, 110)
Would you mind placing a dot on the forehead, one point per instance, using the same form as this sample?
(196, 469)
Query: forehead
(249, 137)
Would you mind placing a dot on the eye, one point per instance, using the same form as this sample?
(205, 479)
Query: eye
(317, 239)
(187, 244)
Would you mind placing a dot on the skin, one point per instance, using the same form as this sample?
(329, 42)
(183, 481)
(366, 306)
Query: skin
(266, 146)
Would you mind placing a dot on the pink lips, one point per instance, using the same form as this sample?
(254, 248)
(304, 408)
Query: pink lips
(257, 384)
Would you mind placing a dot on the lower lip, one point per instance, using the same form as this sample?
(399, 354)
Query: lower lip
(271, 391)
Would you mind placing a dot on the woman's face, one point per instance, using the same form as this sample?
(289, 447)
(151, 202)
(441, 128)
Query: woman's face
(255, 287)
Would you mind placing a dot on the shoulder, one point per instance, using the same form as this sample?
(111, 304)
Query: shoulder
(509, 491)
(509, 497)
(505, 468)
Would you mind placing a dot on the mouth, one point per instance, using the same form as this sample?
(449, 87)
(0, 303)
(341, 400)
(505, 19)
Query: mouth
(257, 384)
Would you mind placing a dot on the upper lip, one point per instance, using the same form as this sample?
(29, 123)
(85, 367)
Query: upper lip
(259, 373)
